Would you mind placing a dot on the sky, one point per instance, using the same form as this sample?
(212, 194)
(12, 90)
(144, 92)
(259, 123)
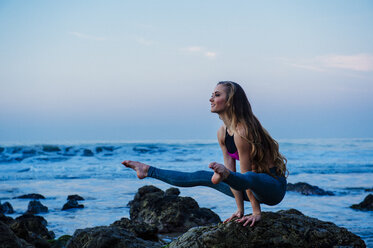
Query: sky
(145, 70)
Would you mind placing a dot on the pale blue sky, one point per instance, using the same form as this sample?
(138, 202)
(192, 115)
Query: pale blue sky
(144, 70)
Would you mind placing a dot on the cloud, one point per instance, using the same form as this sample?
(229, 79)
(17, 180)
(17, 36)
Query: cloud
(357, 62)
(201, 51)
(87, 36)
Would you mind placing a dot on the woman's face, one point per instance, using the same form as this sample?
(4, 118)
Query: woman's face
(218, 99)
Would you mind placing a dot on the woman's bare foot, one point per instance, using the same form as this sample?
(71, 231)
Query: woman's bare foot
(140, 168)
(221, 173)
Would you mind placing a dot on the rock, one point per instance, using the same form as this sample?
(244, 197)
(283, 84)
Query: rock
(365, 205)
(51, 148)
(32, 229)
(87, 153)
(72, 204)
(281, 229)
(75, 197)
(1, 149)
(6, 208)
(35, 207)
(30, 196)
(105, 236)
(172, 191)
(5, 219)
(307, 189)
(104, 148)
(369, 190)
(169, 212)
(8, 239)
(140, 229)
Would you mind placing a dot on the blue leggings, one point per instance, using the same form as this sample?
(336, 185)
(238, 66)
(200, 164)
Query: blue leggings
(266, 189)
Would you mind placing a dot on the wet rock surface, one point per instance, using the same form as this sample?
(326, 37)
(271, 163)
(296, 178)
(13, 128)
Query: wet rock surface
(281, 229)
(107, 236)
(366, 204)
(9, 240)
(168, 211)
(35, 207)
(307, 189)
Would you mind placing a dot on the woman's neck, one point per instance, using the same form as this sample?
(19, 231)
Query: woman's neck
(224, 117)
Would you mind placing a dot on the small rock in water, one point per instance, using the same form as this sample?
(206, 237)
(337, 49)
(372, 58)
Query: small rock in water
(75, 197)
(30, 196)
(169, 214)
(35, 207)
(51, 148)
(6, 208)
(366, 204)
(307, 189)
(87, 153)
(72, 204)
(369, 190)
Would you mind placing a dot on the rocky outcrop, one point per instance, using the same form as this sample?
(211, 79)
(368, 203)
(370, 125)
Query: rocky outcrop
(9, 240)
(366, 204)
(168, 211)
(281, 229)
(140, 229)
(307, 189)
(30, 196)
(107, 236)
(6, 208)
(35, 207)
(72, 204)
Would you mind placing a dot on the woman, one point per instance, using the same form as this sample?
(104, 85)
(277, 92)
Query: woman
(241, 137)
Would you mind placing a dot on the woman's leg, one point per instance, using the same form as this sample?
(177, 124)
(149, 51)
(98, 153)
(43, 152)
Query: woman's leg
(266, 189)
(178, 178)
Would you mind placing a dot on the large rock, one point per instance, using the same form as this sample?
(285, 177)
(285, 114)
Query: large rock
(168, 211)
(281, 229)
(6, 208)
(75, 197)
(32, 229)
(105, 237)
(307, 189)
(366, 204)
(9, 240)
(35, 207)
(140, 229)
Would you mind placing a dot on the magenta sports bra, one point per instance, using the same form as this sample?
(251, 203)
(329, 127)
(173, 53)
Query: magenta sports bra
(231, 146)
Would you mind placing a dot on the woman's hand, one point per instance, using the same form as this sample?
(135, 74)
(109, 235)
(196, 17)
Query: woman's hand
(249, 218)
(237, 214)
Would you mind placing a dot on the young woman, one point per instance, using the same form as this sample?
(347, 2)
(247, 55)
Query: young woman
(241, 137)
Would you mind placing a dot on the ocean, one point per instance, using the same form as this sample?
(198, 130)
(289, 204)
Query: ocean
(94, 171)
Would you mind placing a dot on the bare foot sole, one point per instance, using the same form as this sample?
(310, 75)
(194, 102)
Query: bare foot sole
(220, 173)
(140, 168)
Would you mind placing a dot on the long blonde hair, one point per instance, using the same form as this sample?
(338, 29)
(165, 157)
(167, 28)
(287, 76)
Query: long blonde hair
(264, 149)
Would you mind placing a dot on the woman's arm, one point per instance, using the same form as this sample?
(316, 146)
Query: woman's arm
(244, 147)
(230, 164)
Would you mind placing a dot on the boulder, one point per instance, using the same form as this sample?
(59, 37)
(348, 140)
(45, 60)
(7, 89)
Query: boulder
(288, 228)
(72, 204)
(307, 189)
(5, 219)
(365, 205)
(51, 148)
(30, 196)
(9, 240)
(107, 236)
(35, 207)
(32, 229)
(140, 229)
(6, 208)
(169, 212)
(87, 153)
(75, 197)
